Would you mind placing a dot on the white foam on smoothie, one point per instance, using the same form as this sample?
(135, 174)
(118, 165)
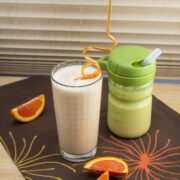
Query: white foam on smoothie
(67, 75)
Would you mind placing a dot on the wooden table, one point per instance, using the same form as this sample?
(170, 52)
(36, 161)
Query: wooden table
(166, 90)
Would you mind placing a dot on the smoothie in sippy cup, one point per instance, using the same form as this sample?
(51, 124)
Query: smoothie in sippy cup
(130, 88)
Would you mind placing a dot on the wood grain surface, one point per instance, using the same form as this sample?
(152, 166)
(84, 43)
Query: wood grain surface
(8, 170)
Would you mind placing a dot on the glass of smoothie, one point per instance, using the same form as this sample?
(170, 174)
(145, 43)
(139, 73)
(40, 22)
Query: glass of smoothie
(77, 110)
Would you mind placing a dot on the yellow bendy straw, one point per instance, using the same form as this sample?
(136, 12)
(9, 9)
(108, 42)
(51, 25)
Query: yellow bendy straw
(93, 62)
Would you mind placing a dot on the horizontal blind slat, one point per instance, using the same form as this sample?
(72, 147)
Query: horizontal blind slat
(136, 3)
(89, 37)
(64, 52)
(119, 26)
(88, 12)
(63, 45)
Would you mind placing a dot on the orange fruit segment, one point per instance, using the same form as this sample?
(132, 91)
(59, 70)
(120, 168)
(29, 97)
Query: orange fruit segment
(30, 110)
(104, 176)
(115, 166)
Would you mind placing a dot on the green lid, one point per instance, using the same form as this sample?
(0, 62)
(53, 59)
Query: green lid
(124, 65)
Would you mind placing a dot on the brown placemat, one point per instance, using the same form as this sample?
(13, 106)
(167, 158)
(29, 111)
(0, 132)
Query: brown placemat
(34, 146)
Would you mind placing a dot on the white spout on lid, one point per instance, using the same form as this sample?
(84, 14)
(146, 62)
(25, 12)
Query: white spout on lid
(151, 57)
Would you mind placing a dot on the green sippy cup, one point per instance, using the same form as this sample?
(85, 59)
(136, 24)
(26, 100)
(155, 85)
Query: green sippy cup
(130, 90)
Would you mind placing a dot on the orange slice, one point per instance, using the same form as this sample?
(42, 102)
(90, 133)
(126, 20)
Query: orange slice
(30, 110)
(115, 166)
(104, 176)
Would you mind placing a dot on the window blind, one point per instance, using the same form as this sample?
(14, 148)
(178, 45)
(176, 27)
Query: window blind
(35, 35)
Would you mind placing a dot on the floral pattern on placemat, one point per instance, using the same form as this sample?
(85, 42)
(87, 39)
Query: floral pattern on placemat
(146, 157)
(32, 165)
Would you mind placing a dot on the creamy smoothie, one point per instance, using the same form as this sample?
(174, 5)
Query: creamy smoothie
(129, 109)
(130, 90)
(77, 109)
(129, 119)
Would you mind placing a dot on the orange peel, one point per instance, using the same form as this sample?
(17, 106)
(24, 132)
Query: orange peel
(91, 61)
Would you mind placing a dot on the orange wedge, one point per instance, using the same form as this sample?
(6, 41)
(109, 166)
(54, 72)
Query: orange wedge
(30, 110)
(115, 166)
(104, 176)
